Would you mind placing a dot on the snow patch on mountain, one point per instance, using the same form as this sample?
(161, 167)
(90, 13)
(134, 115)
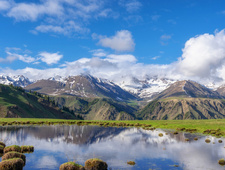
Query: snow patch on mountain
(18, 80)
(145, 88)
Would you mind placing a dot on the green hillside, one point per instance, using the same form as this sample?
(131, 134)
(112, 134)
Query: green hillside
(183, 108)
(15, 102)
(97, 108)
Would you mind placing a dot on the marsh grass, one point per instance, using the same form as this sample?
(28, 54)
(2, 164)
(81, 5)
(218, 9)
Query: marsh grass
(195, 138)
(207, 141)
(160, 135)
(215, 127)
(131, 163)
(221, 162)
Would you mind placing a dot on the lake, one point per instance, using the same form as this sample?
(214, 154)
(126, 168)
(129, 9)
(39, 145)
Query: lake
(57, 144)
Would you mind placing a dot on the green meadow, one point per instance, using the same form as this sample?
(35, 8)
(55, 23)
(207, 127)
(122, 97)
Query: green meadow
(214, 127)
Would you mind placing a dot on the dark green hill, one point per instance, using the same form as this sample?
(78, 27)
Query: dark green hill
(15, 102)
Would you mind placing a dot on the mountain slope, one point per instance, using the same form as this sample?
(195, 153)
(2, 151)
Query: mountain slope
(185, 100)
(15, 102)
(184, 108)
(188, 88)
(97, 108)
(83, 86)
(221, 90)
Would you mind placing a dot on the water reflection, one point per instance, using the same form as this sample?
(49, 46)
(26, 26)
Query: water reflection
(55, 145)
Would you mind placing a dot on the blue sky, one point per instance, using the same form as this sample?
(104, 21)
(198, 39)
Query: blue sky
(68, 37)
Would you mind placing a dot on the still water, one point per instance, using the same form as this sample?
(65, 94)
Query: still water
(55, 145)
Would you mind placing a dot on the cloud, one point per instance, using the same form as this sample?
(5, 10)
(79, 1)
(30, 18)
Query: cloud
(32, 11)
(203, 60)
(131, 6)
(155, 17)
(155, 58)
(67, 29)
(50, 58)
(98, 53)
(25, 58)
(13, 54)
(57, 16)
(121, 58)
(108, 13)
(133, 19)
(203, 56)
(8, 59)
(121, 41)
(164, 39)
(4, 5)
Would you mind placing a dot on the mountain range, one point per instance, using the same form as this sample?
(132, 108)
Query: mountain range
(152, 98)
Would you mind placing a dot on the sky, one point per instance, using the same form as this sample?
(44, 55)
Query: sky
(177, 39)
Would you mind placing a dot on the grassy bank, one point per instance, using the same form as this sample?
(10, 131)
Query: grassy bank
(214, 126)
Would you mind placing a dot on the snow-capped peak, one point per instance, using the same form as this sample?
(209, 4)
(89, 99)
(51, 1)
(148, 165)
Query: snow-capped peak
(18, 80)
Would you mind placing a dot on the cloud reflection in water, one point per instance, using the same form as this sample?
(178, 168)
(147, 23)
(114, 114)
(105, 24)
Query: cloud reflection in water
(55, 145)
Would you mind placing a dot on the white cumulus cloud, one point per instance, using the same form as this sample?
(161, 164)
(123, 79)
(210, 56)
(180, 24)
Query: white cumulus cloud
(121, 41)
(50, 58)
(203, 56)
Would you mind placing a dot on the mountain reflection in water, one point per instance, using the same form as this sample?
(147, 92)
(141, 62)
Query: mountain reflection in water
(57, 144)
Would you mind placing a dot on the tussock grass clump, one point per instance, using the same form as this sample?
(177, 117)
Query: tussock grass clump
(27, 149)
(11, 155)
(1, 149)
(187, 139)
(137, 124)
(207, 141)
(131, 163)
(220, 141)
(2, 144)
(175, 133)
(11, 148)
(12, 164)
(160, 135)
(180, 129)
(147, 125)
(153, 128)
(195, 138)
(221, 162)
(95, 164)
(190, 130)
(71, 166)
(207, 131)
